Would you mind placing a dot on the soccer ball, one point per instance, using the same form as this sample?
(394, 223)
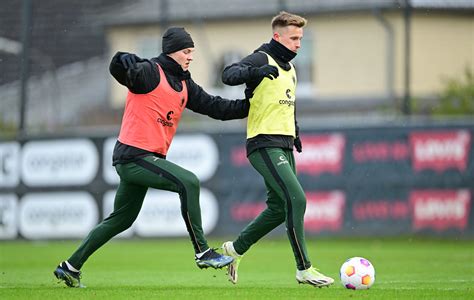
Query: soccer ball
(357, 273)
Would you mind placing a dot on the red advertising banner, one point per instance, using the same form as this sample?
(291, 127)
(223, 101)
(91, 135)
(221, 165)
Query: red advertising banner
(440, 209)
(440, 150)
(324, 211)
(323, 153)
(372, 181)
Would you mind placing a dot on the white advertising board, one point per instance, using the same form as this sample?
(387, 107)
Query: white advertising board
(8, 216)
(59, 162)
(9, 164)
(56, 215)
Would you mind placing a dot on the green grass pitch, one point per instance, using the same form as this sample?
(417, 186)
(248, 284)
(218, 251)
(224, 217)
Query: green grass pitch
(406, 268)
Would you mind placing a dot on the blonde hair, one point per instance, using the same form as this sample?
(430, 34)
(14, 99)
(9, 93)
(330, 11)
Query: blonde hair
(284, 19)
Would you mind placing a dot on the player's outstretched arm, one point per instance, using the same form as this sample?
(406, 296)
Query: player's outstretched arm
(139, 75)
(215, 107)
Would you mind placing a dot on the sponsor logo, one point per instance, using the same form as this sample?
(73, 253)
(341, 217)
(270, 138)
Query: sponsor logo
(9, 164)
(8, 216)
(440, 209)
(322, 153)
(324, 211)
(167, 122)
(380, 151)
(381, 210)
(169, 115)
(282, 160)
(59, 162)
(287, 102)
(57, 215)
(440, 150)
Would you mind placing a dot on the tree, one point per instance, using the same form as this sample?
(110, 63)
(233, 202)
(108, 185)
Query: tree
(457, 98)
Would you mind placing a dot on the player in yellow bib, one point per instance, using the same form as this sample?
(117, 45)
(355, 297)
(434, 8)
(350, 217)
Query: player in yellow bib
(273, 99)
(272, 132)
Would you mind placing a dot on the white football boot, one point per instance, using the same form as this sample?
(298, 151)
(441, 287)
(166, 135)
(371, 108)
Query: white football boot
(232, 268)
(313, 277)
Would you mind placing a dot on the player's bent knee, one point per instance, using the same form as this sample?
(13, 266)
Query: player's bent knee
(125, 224)
(191, 182)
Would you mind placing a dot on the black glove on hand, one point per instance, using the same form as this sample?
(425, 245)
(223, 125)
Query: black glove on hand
(298, 145)
(268, 71)
(129, 61)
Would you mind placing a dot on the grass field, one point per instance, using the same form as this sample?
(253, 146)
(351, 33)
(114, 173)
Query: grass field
(164, 269)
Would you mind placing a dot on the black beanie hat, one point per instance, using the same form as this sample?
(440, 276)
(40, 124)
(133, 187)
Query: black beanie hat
(175, 39)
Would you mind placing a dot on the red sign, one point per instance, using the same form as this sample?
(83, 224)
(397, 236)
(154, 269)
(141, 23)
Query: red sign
(324, 211)
(380, 151)
(381, 210)
(440, 209)
(321, 153)
(440, 150)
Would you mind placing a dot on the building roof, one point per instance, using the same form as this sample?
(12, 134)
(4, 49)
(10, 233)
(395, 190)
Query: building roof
(148, 11)
(443, 4)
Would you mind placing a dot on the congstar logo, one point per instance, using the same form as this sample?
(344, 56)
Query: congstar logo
(167, 122)
(288, 101)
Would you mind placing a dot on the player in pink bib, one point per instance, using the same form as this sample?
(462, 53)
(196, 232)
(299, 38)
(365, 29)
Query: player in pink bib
(159, 90)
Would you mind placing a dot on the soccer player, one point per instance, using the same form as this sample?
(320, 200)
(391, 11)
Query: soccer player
(272, 132)
(159, 90)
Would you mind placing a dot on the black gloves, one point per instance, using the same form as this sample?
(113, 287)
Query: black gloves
(298, 145)
(129, 61)
(268, 71)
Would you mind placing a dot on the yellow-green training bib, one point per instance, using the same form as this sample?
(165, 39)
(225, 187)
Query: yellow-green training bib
(272, 107)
